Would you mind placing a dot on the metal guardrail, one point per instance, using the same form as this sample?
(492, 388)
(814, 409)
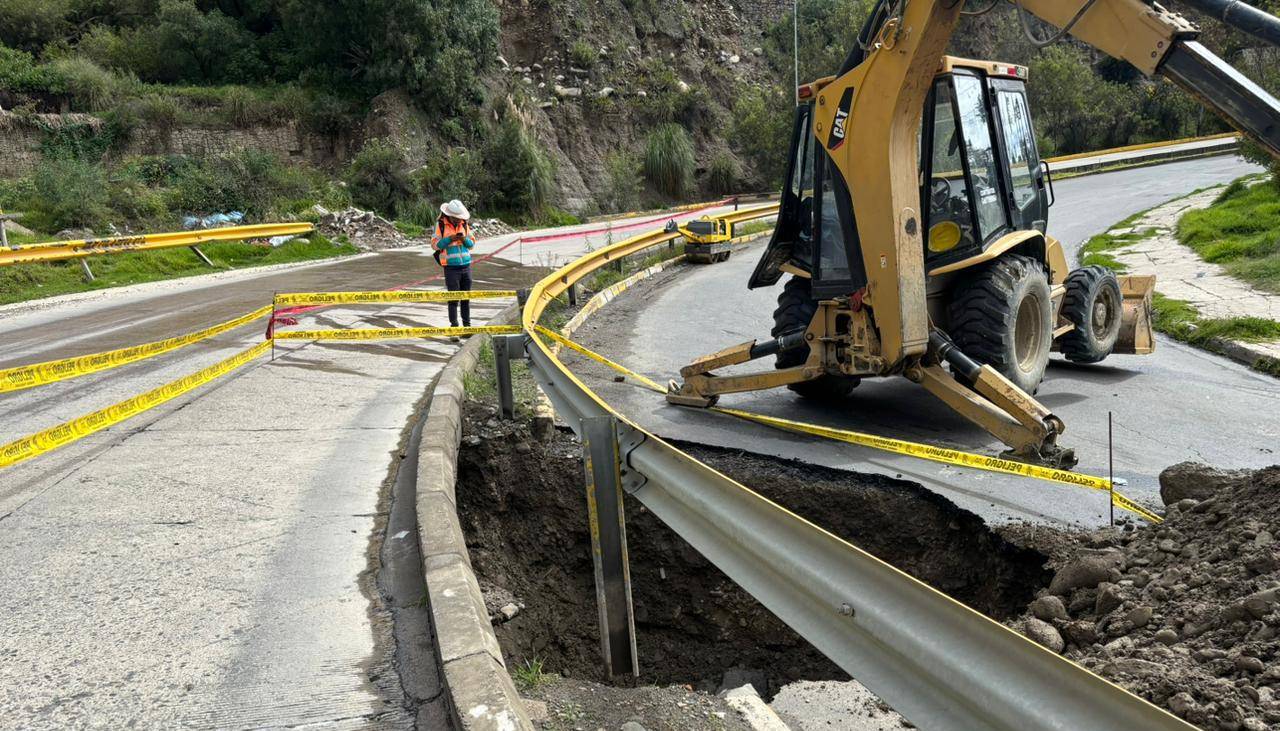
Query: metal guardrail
(82, 248)
(939, 663)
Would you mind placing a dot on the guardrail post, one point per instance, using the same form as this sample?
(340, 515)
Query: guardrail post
(502, 367)
(609, 546)
(84, 267)
(207, 261)
(4, 233)
(573, 294)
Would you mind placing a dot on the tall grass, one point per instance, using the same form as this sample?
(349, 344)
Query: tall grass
(1240, 232)
(669, 160)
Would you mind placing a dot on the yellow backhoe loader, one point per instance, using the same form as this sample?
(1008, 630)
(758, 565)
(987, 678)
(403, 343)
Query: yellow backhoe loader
(913, 219)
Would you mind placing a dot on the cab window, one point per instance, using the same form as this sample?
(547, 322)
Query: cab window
(1016, 121)
(980, 155)
(948, 197)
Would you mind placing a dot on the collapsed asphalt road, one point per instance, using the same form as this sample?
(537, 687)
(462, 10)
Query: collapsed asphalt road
(1178, 404)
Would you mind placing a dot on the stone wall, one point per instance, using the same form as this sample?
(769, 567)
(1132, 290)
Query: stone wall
(20, 139)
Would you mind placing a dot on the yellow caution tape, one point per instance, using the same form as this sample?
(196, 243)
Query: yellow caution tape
(39, 374)
(396, 333)
(898, 446)
(566, 342)
(68, 432)
(353, 298)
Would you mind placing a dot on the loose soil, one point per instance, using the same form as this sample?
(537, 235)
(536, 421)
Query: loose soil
(1186, 613)
(522, 507)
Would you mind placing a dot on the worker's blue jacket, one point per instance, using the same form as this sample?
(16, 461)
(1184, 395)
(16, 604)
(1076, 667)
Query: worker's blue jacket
(456, 253)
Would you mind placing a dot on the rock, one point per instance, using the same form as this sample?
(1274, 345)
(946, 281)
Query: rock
(1195, 481)
(14, 227)
(1049, 608)
(1181, 704)
(1140, 616)
(509, 611)
(757, 51)
(642, 93)
(605, 92)
(1133, 666)
(631, 726)
(503, 61)
(1109, 597)
(682, 86)
(471, 440)
(734, 58)
(528, 80)
(320, 210)
(1043, 634)
(568, 91)
(739, 676)
(1168, 546)
(1166, 636)
(1084, 572)
(1081, 634)
(523, 448)
(1249, 664)
(74, 234)
(537, 67)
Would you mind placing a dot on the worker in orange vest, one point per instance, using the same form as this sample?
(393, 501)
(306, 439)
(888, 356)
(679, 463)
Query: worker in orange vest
(452, 244)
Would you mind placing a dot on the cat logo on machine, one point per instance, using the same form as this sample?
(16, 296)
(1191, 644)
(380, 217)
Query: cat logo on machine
(838, 131)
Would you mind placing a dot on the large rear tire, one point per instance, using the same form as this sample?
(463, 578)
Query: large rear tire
(1093, 304)
(1001, 316)
(795, 310)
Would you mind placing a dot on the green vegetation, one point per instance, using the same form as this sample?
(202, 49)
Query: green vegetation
(482, 384)
(1240, 232)
(623, 184)
(752, 227)
(583, 54)
(530, 674)
(669, 160)
(33, 281)
(1183, 322)
(1098, 249)
(723, 174)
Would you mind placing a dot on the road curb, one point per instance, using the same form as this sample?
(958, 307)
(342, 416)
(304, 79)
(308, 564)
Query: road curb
(1245, 354)
(479, 691)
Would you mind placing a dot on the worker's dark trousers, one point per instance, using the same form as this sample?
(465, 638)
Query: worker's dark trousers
(458, 278)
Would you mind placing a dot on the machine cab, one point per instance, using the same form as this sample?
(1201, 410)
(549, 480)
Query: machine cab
(980, 177)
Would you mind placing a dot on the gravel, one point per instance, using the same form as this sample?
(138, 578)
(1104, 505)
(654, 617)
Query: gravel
(1185, 613)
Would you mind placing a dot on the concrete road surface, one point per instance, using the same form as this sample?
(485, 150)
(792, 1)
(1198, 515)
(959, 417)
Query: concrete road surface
(211, 563)
(1178, 404)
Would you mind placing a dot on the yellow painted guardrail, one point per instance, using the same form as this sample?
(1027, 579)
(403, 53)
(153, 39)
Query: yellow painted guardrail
(81, 248)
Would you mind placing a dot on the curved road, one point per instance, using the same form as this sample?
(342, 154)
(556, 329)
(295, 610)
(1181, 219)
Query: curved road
(210, 563)
(1178, 404)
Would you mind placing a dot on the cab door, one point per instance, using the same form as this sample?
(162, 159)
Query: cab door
(1024, 176)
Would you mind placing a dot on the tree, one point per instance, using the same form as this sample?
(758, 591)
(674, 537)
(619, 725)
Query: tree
(762, 134)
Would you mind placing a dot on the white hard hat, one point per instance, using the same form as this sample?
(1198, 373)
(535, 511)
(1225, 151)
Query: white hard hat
(455, 209)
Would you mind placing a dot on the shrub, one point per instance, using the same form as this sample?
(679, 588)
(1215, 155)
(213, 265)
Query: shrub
(761, 132)
(32, 24)
(67, 193)
(19, 73)
(377, 178)
(250, 181)
(668, 160)
(583, 54)
(520, 177)
(453, 174)
(91, 86)
(723, 173)
(623, 183)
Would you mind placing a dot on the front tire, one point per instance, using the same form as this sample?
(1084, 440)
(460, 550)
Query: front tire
(795, 310)
(1093, 304)
(1002, 316)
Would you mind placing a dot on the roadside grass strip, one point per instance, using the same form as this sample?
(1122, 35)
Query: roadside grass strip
(39, 374)
(356, 298)
(71, 431)
(944, 455)
(397, 333)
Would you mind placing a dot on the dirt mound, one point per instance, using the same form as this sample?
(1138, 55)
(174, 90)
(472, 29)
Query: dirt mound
(524, 514)
(1186, 613)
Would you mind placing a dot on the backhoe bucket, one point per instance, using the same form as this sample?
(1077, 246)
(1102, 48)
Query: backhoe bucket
(1136, 335)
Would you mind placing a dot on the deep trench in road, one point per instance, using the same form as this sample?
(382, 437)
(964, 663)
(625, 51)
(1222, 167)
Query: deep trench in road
(523, 508)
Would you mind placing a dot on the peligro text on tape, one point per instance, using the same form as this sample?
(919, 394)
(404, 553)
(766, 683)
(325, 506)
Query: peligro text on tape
(913, 449)
(395, 333)
(39, 374)
(353, 298)
(78, 428)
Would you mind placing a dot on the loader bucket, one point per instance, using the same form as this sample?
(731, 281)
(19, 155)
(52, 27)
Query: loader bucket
(1136, 335)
